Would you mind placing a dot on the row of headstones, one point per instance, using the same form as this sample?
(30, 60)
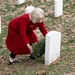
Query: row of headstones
(58, 9)
(53, 38)
(58, 6)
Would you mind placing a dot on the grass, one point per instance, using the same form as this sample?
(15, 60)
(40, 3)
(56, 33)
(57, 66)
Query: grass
(65, 24)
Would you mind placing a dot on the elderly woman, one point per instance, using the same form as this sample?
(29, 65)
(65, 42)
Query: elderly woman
(21, 33)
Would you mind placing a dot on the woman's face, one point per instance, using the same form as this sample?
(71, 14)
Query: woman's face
(40, 20)
(34, 21)
(37, 20)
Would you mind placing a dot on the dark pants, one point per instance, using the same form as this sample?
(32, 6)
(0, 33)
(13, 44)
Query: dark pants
(12, 55)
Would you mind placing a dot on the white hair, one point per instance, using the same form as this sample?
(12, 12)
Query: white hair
(36, 14)
(29, 9)
(38, 11)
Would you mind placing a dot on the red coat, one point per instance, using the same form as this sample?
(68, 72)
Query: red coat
(20, 32)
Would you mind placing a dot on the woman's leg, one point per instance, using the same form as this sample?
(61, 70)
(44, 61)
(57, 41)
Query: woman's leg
(12, 55)
(11, 58)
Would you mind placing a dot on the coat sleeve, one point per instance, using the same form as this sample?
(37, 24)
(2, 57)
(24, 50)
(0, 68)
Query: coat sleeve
(23, 31)
(43, 29)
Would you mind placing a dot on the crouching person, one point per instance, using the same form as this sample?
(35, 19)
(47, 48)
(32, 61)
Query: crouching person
(21, 33)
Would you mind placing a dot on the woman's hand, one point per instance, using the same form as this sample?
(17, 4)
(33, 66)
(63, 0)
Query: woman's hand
(30, 48)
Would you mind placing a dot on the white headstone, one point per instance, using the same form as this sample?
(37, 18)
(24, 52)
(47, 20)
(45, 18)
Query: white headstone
(29, 9)
(58, 8)
(21, 1)
(0, 24)
(52, 47)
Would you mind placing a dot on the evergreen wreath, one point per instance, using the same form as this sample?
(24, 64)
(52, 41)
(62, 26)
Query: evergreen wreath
(39, 48)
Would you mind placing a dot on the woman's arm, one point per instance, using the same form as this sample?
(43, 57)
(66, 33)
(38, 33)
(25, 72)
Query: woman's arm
(23, 35)
(43, 29)
(30, 48)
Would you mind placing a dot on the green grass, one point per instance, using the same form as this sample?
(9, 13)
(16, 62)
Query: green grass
(64, 24)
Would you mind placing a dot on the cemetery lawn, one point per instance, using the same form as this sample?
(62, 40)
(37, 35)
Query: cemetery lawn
(65, 24)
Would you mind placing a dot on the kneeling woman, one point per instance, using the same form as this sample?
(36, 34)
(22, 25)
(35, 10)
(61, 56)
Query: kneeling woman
(21, 33)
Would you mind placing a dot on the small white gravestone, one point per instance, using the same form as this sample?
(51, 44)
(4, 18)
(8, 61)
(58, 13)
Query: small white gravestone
(58, 8)
(52, 47)
(29, 9)
(0, 24)
(21, 1)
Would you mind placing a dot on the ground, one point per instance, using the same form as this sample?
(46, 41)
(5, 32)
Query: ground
(65, 24)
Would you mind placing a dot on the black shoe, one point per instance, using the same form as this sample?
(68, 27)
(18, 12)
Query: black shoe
(10, 63)
(32, 57)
